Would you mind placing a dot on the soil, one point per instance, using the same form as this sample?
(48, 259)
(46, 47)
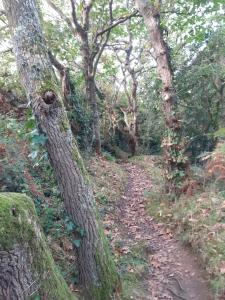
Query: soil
(174, 271)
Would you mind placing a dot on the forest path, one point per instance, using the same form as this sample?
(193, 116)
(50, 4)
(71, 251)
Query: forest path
(173, 271)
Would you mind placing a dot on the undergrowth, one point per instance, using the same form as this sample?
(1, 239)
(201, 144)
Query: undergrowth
(24, 167)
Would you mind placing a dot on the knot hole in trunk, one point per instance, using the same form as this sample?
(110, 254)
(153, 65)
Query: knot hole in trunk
(49, 97)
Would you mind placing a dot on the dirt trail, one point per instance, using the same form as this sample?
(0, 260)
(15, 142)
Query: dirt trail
(173, 271)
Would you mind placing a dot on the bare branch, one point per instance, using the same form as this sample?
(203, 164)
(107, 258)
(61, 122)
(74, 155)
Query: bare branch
(62, 15)
(119, 21)
(175, 12)
(6, 51)
(78, 65)
(103, 45)
(2, 12)
(56, 63)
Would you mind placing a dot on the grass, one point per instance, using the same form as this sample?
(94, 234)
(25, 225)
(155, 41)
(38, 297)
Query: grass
(197, 218)
(132, 266)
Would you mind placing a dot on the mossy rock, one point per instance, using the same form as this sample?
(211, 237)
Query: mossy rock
(27, 269)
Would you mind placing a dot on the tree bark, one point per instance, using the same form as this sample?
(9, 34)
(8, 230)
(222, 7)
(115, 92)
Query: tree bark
(173, 148)
(92, 100)
(96, 268)
(26, 265)
(90, 90)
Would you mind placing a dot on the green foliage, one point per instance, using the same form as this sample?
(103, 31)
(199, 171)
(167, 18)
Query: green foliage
(34, 140)
(220, 133)
(108, 156)
(12, 153)
(200, 99)
(76, 243)
(61, 231)
(101, 198)
(150, 119)
(79, 115)
(55, 221)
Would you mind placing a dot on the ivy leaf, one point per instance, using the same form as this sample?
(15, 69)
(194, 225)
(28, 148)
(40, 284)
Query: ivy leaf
(30, 124)
(38, 139)
(76, 243)
(70, 226)
(33, 154)
(82, 232)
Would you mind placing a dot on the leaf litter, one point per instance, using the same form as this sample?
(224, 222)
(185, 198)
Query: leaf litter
(172, 272)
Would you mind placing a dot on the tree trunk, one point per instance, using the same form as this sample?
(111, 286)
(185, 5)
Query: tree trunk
(173, 148)
(130, 131)
(26, 265)
(92, 100)
(90, 90)
(96, 268)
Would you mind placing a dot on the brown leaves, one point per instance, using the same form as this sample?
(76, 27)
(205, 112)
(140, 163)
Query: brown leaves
(222, 267)
(2, 150)
(155, 261)
(66, 244)
(215, 166)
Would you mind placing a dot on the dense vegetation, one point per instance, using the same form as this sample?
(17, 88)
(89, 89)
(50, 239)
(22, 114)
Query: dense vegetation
(87, 87)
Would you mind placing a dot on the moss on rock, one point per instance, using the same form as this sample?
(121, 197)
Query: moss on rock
(19, 227)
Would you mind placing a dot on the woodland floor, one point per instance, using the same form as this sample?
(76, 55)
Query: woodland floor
(171, 270)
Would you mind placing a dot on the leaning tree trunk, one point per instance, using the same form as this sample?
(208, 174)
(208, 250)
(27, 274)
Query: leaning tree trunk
(26, 265)
(96, 268)
(173, 147)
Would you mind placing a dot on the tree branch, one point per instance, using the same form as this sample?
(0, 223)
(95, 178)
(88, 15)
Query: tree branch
(6, 51)
(62, 15)
(78, 26)
(86, 13)
(2, 12)
(111, 11)
(100, 52)
(119, 21)
(78, 65)
(56, 63)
